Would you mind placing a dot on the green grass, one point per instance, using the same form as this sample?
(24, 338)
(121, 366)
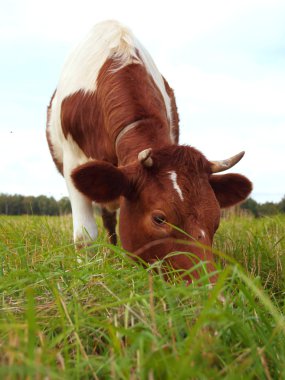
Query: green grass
(96, 314)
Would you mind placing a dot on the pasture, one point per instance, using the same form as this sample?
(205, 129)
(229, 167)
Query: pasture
(95, 314)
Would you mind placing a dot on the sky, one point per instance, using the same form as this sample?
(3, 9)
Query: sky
(225, 61)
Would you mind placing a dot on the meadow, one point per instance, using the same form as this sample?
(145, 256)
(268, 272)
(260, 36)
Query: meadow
(95, 314)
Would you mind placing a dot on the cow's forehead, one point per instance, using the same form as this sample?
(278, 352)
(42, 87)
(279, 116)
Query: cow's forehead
(184, 203)
(178, 186)
(181, 159)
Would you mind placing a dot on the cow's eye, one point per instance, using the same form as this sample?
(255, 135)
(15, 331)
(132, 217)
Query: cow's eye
(159, 219)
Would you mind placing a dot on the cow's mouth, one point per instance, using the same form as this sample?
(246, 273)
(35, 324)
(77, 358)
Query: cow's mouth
(180, 255)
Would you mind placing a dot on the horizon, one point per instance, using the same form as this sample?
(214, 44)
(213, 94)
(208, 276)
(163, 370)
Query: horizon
(66, 196)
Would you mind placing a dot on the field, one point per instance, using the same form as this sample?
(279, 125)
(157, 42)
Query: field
(68, 314)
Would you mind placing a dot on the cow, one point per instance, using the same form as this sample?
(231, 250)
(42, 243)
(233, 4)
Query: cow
(113, 130)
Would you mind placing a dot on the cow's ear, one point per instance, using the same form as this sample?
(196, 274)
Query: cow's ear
(230, 189)
(100, 181)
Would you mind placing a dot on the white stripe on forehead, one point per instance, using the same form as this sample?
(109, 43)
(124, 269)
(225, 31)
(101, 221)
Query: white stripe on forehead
(173, 177)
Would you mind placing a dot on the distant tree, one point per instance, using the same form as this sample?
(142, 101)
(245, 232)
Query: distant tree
(251, 205)
(28, 205)
(15, 204)
(281, 205)
(64, 206)
(4, 204)
(18, 205)
(268, 208)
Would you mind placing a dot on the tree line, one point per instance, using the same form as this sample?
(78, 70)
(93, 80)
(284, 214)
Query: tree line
(43, 205)
(263, 209)
(19, 204)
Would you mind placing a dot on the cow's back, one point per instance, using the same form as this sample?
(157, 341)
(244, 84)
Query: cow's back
(70, 129)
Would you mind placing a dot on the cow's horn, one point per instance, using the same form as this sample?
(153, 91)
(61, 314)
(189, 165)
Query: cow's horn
(145, 157)
(220, 166)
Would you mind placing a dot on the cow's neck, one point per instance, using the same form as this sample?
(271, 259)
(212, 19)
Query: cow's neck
(140, 135)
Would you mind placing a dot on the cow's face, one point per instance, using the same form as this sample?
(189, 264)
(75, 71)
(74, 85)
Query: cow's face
(170, 202)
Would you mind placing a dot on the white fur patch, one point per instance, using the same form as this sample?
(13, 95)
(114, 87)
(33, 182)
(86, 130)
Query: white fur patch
(84, 225)
(106, 39)
(173, 177)
(80, 71)
(203, 234)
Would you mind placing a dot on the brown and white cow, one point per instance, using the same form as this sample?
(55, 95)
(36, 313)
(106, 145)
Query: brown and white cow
(113, 133)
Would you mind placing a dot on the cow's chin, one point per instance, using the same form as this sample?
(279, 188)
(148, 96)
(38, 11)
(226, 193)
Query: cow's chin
(178, 261)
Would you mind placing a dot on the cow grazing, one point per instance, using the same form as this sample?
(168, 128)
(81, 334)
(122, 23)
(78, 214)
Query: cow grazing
(113, 131)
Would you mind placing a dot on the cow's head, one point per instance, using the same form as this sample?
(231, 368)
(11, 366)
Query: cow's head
(163, 193)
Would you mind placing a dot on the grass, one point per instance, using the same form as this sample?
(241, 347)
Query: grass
(95, 314)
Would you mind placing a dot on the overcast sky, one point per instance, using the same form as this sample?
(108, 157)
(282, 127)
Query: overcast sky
(224, 59)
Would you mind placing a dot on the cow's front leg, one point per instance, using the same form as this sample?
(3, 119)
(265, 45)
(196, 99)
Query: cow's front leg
(84, 225)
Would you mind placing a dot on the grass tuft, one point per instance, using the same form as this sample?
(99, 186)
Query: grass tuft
(94, 313)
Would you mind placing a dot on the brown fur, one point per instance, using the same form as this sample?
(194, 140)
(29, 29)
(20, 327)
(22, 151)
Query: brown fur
(146, 191)
(95, 119)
